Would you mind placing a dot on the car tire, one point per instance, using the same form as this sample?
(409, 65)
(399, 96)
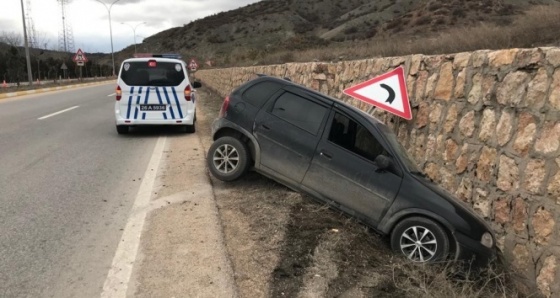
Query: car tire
(122, 129)
(228, 158)
(420, 240)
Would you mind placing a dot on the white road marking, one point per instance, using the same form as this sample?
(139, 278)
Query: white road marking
(112, 94)
(116, 283)
(59, 112)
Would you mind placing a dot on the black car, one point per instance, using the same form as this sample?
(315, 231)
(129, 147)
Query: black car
(340, 155)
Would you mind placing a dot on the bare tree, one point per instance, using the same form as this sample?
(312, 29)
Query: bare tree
(11, 38)
(42, 40)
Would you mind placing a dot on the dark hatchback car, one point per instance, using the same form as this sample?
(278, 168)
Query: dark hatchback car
(342, 156)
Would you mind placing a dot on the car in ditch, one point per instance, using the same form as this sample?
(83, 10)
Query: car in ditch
(348, 159)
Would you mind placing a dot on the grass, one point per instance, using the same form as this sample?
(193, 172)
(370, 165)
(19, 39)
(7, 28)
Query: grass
(537, 27)
(449, 280)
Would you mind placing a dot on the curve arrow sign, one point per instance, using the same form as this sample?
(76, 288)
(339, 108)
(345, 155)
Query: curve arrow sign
(387, 92)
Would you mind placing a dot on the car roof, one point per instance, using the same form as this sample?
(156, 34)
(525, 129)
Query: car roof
(159, 59)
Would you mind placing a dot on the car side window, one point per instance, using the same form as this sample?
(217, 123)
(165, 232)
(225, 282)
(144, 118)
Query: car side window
(259, 93)
(300, 112)
(352, 136)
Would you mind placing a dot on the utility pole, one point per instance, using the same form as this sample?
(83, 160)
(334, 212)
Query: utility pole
(134, 32)
(110, 29)
(29, 75)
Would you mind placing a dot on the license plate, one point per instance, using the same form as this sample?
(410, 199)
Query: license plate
(153, 107)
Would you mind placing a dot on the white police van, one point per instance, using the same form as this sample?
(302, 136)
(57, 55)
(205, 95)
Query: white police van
(155, 90)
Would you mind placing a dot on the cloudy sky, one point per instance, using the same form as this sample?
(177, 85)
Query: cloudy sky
(90, 24)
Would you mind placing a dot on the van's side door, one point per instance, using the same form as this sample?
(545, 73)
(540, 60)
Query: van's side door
(288, 129)
(343, 169)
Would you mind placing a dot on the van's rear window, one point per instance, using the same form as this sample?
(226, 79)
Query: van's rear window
(163, 74)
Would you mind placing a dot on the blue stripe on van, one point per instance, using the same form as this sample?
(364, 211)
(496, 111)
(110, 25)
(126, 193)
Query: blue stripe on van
(137, 103)
(158, 96)
(177, 102)
(146, 101)
(129, 103)
(164, 116)
(169, 102)
(160, 101)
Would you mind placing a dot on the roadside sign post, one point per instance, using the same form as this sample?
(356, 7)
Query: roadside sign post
(193, 66)
(387, 92)
(64, 69)
(80, 59)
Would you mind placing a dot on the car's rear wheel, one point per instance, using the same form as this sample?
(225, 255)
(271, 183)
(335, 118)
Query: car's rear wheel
(122, 129)
(228, 158)
(420, 240)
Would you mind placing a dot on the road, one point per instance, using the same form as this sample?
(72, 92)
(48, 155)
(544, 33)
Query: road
(67, 185)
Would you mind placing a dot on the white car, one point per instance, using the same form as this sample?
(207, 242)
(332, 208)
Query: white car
(155, 90)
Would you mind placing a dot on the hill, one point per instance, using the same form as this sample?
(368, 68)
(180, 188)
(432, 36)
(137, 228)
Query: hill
(257, 32)
(280, 31)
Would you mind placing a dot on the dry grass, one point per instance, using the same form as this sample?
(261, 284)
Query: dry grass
(450, 280)
(537, 27)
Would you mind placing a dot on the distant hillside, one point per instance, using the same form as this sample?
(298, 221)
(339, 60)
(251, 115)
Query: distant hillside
(280, 31)
(270, 26)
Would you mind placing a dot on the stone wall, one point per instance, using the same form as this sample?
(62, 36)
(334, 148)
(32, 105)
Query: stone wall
(486, 126)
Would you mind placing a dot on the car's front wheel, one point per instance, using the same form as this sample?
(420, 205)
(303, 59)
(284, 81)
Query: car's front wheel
(420, 240)
(228, 158)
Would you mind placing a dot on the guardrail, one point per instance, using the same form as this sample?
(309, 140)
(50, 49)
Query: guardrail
(59, 85)
(49, 82)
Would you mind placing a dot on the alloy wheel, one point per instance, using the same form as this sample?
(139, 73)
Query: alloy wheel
(418, 244)
(226, 158)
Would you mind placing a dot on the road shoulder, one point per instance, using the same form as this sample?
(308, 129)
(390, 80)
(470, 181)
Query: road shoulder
(182, 251)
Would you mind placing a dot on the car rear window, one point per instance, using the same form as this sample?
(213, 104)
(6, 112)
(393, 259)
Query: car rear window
(160, 74)
(259, 93)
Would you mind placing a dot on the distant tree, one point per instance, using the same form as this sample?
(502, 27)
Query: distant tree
(11, 38)
(14, 65)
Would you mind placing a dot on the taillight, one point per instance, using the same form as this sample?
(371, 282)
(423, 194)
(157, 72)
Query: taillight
(188, 93)
(118, 92)
(224, 107)
(152, 63)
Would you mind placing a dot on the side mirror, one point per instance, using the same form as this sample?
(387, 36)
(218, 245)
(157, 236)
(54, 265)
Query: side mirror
(196, 84)
(383, 162)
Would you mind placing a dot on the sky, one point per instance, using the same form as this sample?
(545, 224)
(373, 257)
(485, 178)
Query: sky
(90, 24)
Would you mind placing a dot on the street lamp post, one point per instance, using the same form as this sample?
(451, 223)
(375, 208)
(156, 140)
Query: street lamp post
(110, 29)
(134, 32)
(26, 43)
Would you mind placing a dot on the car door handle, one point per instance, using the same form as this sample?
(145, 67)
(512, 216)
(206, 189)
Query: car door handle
(265, 127)
(325, 155)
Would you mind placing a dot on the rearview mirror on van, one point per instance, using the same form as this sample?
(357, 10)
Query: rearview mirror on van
(196, 84)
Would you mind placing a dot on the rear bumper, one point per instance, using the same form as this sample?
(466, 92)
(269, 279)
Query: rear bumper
(188, 120)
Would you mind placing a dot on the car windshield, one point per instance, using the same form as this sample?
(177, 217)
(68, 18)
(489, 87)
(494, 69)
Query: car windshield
(152, 73)
(409, 163)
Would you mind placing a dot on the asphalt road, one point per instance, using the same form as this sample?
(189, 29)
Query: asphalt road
(67, 185)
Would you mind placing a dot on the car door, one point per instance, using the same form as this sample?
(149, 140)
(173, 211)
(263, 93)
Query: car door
(343, 169)
(288, 130)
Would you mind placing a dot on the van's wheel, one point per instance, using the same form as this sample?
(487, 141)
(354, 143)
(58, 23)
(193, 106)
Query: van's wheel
(122, 129)
(420, 240)
(228, 158)
(190, 128)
